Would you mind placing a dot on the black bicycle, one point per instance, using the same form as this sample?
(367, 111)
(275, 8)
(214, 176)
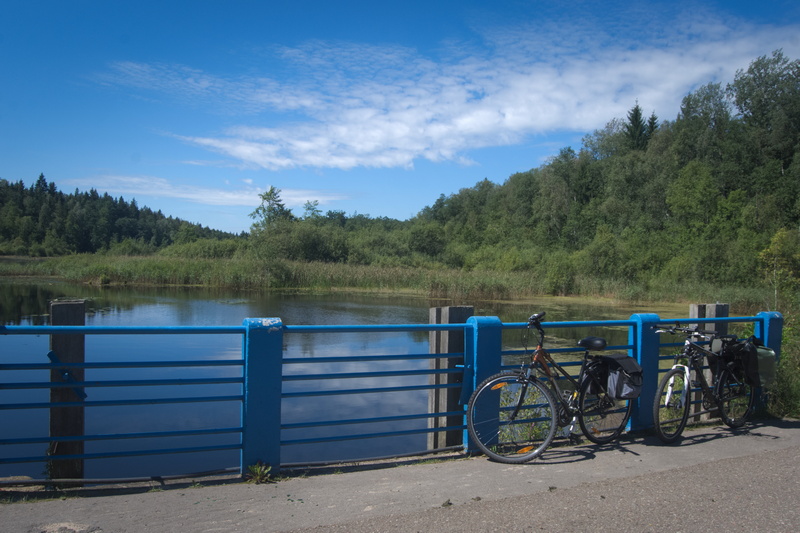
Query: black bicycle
(512, 416)
(729, 391)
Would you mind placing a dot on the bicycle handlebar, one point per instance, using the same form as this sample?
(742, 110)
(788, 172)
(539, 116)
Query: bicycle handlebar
(536, 318)
(535, 321)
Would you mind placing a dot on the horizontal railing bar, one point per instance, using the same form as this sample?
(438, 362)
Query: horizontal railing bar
(339, 438)
(577, 350)
(107, 455)
(670, 344)
(418, 453)
(381, 328)
(117, 480)
(299, 425)
(368, 391)
(121, 330)
(126, 383)
(128, 330)
(708, 320)
(573, 324)
(155, 434)
(128, 364)
(107, 403)
(134, 330)
(370, 358)
(377, 374)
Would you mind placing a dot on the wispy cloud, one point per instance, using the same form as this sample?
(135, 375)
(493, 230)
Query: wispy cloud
(348, 105)
(246, 195)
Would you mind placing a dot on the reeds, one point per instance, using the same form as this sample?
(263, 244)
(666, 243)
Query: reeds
(248, 273)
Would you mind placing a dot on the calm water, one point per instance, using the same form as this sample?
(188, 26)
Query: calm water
(27, 303)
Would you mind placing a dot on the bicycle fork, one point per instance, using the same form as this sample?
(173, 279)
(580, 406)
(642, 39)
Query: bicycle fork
(684, 390)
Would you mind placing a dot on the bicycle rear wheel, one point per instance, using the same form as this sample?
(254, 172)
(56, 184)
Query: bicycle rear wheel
(602, 417)
(736, 397)
(671, 405)
(511, 418)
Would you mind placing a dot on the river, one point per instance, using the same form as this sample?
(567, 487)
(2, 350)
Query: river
(26, 303)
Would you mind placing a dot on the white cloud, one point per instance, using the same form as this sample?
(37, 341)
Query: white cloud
(352, 105)
(142, 186)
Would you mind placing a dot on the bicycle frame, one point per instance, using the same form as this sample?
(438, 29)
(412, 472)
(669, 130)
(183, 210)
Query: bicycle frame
(541, 360)
(694, 354)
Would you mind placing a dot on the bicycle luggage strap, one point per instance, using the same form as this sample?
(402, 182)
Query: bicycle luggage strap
(627, 363)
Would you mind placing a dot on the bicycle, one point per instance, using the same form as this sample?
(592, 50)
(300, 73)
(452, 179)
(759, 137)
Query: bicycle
(730, 391)
(512, 416)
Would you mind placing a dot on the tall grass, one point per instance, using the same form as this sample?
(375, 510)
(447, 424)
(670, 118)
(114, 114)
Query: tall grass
(249, 273)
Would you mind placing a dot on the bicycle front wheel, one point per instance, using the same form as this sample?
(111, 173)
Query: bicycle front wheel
(671, 405)
(511, 418)
(736, 398)
(601, 416)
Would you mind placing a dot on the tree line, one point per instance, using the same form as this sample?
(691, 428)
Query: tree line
(712, 195)
(42, 221)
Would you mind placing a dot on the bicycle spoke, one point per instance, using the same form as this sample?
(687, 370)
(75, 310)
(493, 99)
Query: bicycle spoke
(511, 419)
(602, 418)
(671, 405)
(735, 398)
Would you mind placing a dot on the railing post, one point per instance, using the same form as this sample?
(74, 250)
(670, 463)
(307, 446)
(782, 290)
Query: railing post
(446, 400)
(261, 412)
(644, 339)
(483, 342)
(67, 421)
(770, 330)
(716, 310)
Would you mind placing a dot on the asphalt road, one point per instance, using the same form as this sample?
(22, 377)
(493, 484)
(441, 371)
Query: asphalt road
(715, 478)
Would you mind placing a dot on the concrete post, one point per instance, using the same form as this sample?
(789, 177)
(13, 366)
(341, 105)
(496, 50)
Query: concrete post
(446, 400)
(67, 421)
(716, 310)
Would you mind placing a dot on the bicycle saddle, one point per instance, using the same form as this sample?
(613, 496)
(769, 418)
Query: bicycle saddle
(592, 343)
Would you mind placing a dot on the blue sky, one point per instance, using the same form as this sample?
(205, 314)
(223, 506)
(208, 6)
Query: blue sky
(375, 108)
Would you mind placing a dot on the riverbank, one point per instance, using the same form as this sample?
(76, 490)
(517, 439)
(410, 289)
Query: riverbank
(455, 285)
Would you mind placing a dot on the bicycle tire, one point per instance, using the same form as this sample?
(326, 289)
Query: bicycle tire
(602, 417)
(512, 418)
(671, 406)
(735, 396)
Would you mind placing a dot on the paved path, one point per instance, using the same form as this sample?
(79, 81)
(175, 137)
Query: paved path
(715, 478)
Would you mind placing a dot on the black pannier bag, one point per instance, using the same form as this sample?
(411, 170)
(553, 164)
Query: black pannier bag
(601, 373)
(624, 376)
(759, 362)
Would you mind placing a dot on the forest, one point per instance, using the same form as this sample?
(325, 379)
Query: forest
(711, 196)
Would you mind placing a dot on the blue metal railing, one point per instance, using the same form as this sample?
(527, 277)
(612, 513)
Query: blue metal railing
(119, 367)
(265, 375)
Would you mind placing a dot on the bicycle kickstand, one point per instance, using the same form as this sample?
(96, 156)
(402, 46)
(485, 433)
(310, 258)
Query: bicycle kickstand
(568, 432)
